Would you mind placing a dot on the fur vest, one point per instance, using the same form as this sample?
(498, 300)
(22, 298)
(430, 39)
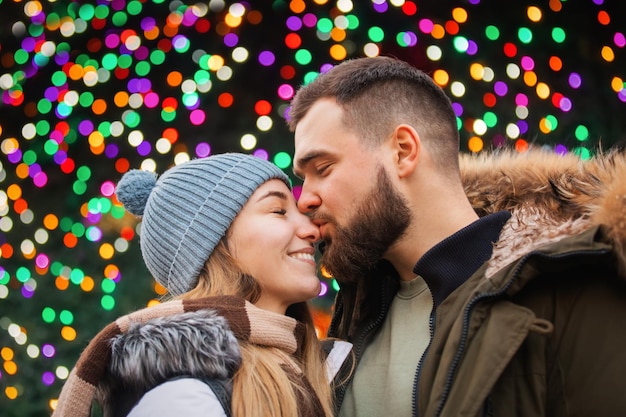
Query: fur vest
(195, 344)
(197, 338)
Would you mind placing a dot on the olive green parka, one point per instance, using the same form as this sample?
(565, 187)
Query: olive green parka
(538, 329)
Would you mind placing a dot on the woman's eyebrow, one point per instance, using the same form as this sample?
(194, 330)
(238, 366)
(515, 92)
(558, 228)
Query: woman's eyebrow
(278, 194)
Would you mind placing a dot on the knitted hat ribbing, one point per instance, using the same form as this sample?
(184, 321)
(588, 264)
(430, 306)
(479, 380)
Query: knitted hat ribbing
(189, 209)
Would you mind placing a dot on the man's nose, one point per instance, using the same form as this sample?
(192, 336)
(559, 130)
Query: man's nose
(308, 200)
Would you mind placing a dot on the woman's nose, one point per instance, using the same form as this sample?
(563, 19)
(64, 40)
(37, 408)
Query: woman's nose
(308, 230)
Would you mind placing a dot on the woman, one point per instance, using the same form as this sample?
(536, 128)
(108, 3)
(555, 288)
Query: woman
(223, 234)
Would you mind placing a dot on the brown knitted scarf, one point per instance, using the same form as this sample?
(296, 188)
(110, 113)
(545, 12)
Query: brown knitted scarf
(246, 321)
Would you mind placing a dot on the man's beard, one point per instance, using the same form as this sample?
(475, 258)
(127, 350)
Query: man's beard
(378, 222)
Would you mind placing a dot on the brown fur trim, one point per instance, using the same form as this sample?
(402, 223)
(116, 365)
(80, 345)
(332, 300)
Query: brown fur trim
(546, 181)
(551, 196)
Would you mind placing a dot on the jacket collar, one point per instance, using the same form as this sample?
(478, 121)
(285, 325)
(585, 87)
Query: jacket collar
(452, 261)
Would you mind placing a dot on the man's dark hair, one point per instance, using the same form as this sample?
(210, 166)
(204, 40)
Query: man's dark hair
(378, 94)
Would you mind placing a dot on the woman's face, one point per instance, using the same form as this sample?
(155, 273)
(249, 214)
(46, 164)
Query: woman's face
(275, 244)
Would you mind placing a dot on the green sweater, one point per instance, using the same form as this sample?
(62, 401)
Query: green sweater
(383, 381)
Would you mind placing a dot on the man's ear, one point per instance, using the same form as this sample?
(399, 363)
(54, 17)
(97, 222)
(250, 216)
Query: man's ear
(407, 145)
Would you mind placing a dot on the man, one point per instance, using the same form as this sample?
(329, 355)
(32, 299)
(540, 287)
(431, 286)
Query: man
(494, 288)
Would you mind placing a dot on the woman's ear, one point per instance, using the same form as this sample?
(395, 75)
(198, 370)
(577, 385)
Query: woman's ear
(407, 145)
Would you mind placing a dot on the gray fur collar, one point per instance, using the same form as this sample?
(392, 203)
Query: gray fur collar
(198, 344)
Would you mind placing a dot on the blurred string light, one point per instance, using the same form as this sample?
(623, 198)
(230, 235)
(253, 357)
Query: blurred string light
(140, 84)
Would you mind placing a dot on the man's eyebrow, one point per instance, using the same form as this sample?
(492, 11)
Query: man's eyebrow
(303, 161)
(278, 194)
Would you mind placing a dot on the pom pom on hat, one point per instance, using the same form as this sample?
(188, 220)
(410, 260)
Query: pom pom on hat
(188, 209)
(134, 189)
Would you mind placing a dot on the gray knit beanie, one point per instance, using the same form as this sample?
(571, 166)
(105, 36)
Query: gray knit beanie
(189, 209)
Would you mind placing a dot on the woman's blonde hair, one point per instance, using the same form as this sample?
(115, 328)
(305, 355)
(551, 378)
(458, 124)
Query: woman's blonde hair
(261, 386)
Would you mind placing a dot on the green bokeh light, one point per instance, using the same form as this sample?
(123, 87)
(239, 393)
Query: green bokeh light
(376, 34)
(282, 160)
(66, 317)
(41, 60)
(79, 187)
(22, 274)
(107, 302)
(303, 56)
(119, 19)
(83, 173)
(131, 119)
(29, 157)
(490, 119)
(86, 12)
(5, 277)
(48, 314)
(310, 76)
(552, 121)
(157, 57)
(134, 8)
(117, 212)
(168, 116)
(65, 224)
(202, 77)
(42, 127)
(401, 39)
(525, 35)
(50, 147)
(86, 99)
(325, 25)
(558, 34)
(78, 229)
(108, 286)
(581, 133)
(77, 276)
(105, 128)
(461, 43)
(124, 61)
(101, 11)
(109, 61)
(53, 19)
(142, 68)
(44, 106)
(182, 45)
(58, 78)
(492, 33)
(64, 110)
(35, 30)
(353, 22)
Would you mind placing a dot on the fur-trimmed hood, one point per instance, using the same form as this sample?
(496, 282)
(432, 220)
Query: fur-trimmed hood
(550, 196)
(196, 344)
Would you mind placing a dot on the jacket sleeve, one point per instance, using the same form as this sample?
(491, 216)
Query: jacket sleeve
(339, 356)
(187, 397)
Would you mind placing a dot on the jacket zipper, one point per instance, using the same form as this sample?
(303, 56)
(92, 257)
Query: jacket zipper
(473, 301)
(361, 341)
(431, 327)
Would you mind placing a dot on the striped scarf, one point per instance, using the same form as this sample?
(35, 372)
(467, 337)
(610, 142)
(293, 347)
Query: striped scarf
(246, 321)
